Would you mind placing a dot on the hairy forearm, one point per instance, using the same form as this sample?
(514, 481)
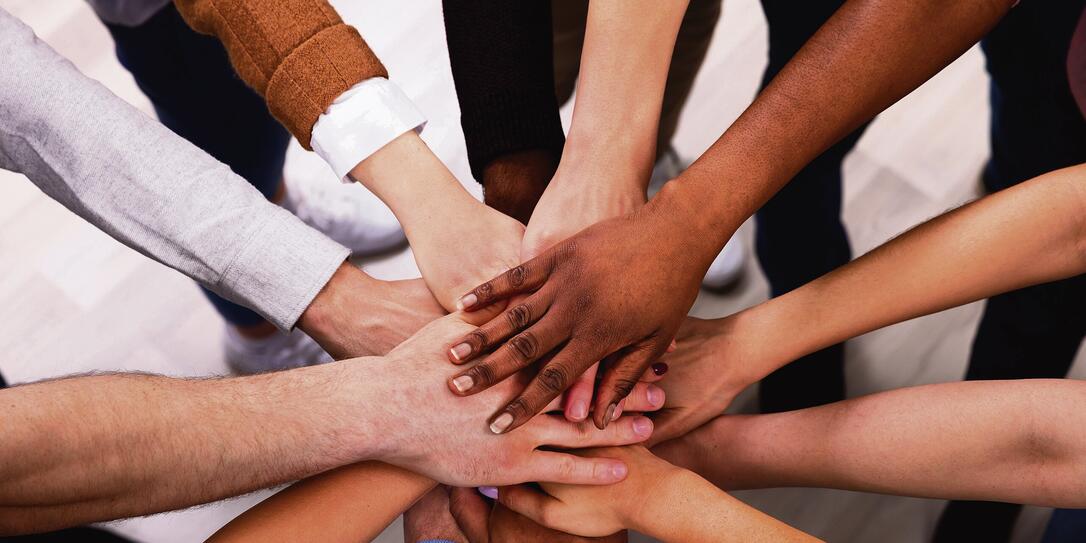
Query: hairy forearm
(103, 447)
(867, 56)
(352, 503)
(1017, 441)
(1031, 233)
(689, 508)
(620, 88)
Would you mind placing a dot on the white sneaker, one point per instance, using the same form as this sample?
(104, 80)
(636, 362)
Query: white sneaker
(279, 351)
(349, 214)
(727, 268)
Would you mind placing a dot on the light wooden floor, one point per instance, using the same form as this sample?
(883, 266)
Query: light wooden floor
(73, 300)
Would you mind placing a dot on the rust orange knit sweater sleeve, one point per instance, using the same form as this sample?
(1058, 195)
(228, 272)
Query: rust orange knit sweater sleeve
(298, 54)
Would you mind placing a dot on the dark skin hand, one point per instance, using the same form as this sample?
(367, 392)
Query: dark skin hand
(571, 329)
(482, 522)
(623, 286)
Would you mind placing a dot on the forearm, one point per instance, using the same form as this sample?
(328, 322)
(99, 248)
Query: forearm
(1016, 441)
(1031, 233)
(866, 57)
(620, 87)
(97, 448)
(352, 503)
(689, 508)
(148, 188)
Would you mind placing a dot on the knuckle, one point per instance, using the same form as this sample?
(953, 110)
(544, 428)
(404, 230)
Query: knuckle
(554, 378)
(519, 316)
(624, 385)
(483, 374)
(519, 409)
(484, 292)
(517, 276)
(478, 340)
(583, 303)
(525, 346)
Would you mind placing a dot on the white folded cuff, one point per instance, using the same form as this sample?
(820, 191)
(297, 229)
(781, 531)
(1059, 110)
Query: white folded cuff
(362, 120)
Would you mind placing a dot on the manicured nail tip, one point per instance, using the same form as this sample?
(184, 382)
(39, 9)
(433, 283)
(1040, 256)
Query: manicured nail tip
(579, 411)
(659, 368)
(489, 491)
(616, 414)
(463, 383)
(502, 423)
(642, 426)
(467, 301)
(609, 415)
(460, 352)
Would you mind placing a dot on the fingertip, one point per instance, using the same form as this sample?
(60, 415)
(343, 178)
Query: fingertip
(489, 491)
(655, 396)
(467, 301)
(577, 411)
(617, 471)
(501, 423)
(642, 427)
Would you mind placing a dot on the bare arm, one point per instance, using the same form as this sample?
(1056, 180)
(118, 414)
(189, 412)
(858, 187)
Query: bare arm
(1015, 441)
(352, 503)
(103, 447)
(1031, 233)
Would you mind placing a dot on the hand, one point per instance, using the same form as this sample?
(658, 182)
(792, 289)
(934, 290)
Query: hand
(430, 518)
(442, 436)
(600, 510)
(356, 315)
(710, 370)
(621, 286)
(577, 198)
(482, 523)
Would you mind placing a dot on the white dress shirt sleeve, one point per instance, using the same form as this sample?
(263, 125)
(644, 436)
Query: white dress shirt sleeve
(362, 120)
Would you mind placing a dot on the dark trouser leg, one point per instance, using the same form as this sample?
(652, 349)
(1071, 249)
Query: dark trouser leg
(1066, 526)
(1036, 128)
(195, 93)
(799, 232)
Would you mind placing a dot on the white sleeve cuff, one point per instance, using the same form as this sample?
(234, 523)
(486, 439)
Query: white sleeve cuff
(362, 120)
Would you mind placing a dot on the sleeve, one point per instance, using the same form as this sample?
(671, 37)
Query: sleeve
(148, 188)
(503, 68)
(298, 54)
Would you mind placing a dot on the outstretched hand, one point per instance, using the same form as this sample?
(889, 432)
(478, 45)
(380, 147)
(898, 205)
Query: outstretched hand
(621, 287)
(443, 436)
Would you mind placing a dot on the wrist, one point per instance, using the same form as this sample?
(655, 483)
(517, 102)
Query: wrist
(623, 159)
(659, 511)
(345, 295)
(513, 183)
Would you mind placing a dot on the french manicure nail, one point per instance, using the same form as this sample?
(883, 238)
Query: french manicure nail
(467, 301)
(655, 395)
(609, 415)
(489, 491)
(463, 383)
(579, 410)
(501, 423)
(659, 368)
(460, 351)
(642, 426)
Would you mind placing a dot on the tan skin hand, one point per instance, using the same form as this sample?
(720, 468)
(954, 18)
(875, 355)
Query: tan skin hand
(622, 286)
(482, 522)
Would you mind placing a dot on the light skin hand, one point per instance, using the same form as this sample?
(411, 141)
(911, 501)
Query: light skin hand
(484, 523)
(457, 240)
(440, 422)
(357, 315)
(657, 499)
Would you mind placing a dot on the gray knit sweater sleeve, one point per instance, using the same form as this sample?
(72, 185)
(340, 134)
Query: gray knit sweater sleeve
(150, 189)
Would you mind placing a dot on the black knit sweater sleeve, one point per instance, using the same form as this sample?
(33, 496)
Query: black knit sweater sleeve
(502, 65)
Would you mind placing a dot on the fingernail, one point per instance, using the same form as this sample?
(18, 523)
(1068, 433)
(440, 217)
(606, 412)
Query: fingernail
(465, 382)
(579, 410)
(489, 491)
(655, 395)
(467, 301)
(609, 415)
(658, 368)
(617, 413)
(642, 426)
(619, 471)
(460, 351)
(501, 423)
